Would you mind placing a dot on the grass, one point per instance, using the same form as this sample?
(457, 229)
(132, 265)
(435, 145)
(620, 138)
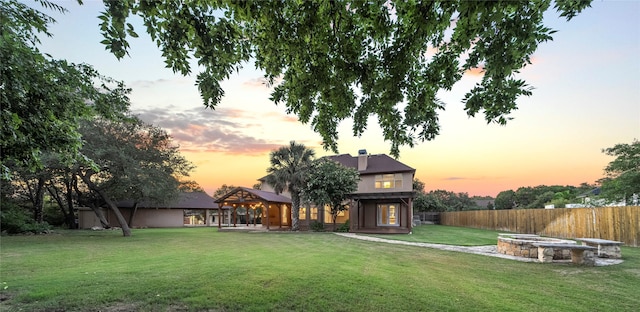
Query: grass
(200, 269)
(449, 235)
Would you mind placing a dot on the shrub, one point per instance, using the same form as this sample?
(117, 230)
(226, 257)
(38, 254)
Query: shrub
(343, 227)
(15, 220)
(316, 226)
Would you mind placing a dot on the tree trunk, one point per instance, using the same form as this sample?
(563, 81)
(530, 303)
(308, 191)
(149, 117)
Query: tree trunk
(334, 216)
(98, 211)
(36, 195)
(68, 216)
(126, 231)
(73, 223)
(132, 214)
(295, 211)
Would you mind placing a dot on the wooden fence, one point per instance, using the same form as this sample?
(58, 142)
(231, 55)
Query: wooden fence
(613, 223)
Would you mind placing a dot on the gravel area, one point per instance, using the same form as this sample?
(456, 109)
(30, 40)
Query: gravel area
(490, 250)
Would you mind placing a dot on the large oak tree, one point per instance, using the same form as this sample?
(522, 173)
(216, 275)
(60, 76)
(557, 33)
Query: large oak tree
(333, 60)
(130, 161)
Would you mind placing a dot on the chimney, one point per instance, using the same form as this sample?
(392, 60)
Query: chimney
(362, 160)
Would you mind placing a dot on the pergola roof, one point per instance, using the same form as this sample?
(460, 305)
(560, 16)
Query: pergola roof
(241, 195)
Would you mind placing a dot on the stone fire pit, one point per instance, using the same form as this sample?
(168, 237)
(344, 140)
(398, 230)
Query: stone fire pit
(521, 245)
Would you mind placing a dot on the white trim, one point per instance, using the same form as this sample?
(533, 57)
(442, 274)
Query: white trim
(396, 214)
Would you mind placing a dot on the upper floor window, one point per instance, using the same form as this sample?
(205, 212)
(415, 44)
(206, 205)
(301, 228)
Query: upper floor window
(386, 181)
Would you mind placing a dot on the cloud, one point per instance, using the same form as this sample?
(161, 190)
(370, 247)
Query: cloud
(224, 130)
(140, 84)
(261, 83)
(477, 71)
(282, 117)
(455, 178)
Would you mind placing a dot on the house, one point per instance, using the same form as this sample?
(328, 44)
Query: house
(383, 202)
(188, 209)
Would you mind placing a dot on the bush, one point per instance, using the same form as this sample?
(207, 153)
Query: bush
(317, 226)
(343, 227)
(53, 215)
(15, 220)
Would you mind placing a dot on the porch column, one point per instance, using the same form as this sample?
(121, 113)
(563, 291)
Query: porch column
(410, 209)
(219, 216)
(280, 216)
(400, 214)
(235, 215)
(360, 215)
(254, 217)
(267, 214)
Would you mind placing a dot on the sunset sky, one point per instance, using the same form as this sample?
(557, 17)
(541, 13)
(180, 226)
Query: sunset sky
(586, 98)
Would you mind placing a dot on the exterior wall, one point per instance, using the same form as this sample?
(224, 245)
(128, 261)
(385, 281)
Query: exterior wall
(156, 218)
(367, 184)
(268, 188)
(152, 218)
(279, 216)
(87, 218)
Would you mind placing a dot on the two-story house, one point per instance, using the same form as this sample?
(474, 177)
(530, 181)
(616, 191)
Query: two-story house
(383, 202)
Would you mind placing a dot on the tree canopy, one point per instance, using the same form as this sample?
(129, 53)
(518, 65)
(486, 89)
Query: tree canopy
(328, 183)
(333, 60)
(130, 161)
(43, 99)
(622, 178)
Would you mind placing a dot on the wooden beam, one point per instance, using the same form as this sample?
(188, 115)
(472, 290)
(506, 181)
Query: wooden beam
(267, 214)
(219, 214)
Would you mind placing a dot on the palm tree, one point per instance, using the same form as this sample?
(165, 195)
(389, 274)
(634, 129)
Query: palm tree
(287, 172)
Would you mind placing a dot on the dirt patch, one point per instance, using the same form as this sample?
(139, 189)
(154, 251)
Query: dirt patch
(120, 307)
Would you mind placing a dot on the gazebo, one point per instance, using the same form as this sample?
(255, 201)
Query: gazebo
(274, 210)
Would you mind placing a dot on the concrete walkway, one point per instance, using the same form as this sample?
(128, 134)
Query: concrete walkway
(490, 250)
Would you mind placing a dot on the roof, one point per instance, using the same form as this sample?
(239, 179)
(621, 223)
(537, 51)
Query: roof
(379, 163)
(241, 194)
(185, 200)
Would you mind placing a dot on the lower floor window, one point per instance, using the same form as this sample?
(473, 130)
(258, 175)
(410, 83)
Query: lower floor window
(340, 217)
(388, 214)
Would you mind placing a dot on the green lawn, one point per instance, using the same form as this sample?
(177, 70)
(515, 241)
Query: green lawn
(200, 269)
(450, 235)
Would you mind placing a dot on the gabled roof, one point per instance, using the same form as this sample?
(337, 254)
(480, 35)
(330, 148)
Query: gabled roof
(379, 163)
(185, 200)
(245, 194)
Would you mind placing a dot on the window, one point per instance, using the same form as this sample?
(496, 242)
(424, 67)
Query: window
(328, 218)
(314, 213)
(388, 181)
(388, 214)
(194, 217)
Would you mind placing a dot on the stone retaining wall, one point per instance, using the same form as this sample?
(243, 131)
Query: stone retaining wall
(524, 247)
